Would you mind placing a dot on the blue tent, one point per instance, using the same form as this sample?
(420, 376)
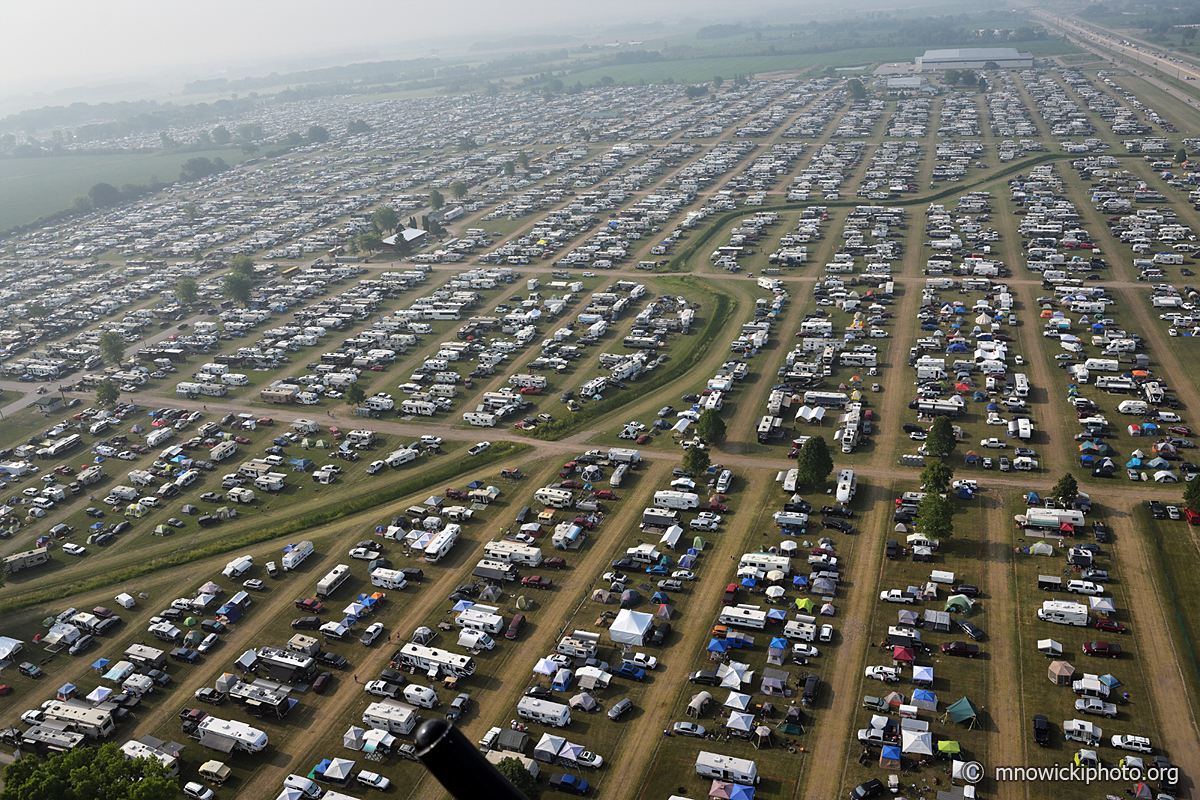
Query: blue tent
(1032, 499)
(717, 646)
(1086, 460)
(957, 348)
(1110, 681)
(993, 407)
(749, 582)
(971, 458)
(776, 614)
(739, 792)
(1133, 462)
(659, 597)
(687, 561)
(349, 622)
(890, 752)
(800, 581)
(101, 664)
(964, 493)
(778, 642)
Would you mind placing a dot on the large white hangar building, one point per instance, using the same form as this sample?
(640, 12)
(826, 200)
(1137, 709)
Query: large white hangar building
(973, 58)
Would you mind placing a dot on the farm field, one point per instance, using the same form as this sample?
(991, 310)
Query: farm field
(30, 188)
(630, 377)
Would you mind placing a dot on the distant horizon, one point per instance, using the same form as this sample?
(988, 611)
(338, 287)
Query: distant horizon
(133, 49)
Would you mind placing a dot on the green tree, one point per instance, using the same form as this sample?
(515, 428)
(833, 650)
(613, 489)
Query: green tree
(936, 477)
(104, 195)
(466, 144)
(370, 241)
(384, 219)
(112, 347)
(355, 394)
(458, 189)
(242, 265)
(317, 134)
(357, 126)
(1066, 490)
(1181, 155)
(81, 204)
(693, 92)
(519, 777)
(941, 439)
(718, 82)
(710, 426)
(34, 310)
(249, 148)
(436, 200)
(696, 461)
(238, 287)
(1191, 494)
(510, 168)
(190, 211)
(856, 90)
(221, 135)
(813, 462)
(187, 291)
(523, 159)
(88, 774)
(293, 139)
(990, 65)
(352, 246)
(935, 516)
(951, 76)
(107, 395)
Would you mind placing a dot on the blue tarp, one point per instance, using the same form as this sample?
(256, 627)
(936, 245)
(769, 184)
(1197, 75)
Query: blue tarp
(717, 646)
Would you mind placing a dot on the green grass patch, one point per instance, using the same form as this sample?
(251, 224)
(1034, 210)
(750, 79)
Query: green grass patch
(325, 515)
(34, 187)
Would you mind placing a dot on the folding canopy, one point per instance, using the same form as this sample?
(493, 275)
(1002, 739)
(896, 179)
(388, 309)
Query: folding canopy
(962, 711)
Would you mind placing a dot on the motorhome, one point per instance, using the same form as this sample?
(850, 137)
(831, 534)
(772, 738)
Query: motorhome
(1064, 612)
(727, 768)
(390, 717)
(545, 712)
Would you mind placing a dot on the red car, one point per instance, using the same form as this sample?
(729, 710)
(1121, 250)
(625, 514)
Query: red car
(264, 421)
(530, 390)
(794, 453)
(731, 593)
(241, 440)
(310, 605)
(455, 494)
(584, 523)
(555, 563)
(1180, 430)
(643, 439)
(1111, 627)
(524, 426)
(1101, 649)
(378, 368)
(719, 508)
(537, 582)
(605, 494)
(63, 469)
(5, 690)
(571, 484)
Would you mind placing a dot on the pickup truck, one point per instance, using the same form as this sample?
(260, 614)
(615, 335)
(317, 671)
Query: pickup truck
(731, 593)
(383, 689)
(897, 596)
(537, 581)
(960, 649)
(1094, 705)
(877, 737)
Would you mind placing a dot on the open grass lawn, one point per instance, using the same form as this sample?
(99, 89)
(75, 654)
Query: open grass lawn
(33, 187)
(1176, 545)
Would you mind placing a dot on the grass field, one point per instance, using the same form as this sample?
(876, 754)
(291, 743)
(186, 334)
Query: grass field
(34, 187)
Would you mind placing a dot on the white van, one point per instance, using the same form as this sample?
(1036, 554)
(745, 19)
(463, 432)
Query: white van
(307, 787)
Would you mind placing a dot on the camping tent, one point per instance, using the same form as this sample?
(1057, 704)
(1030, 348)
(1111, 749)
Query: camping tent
(916, 743)
(665, 611)
(889, 757)
(1060, 673)
(740, 721)
(963, 711)
(1041, 549)
(9, 647)
(698, 704)
(547, 747)
(925, 699)
(562, 680)
(629, 599)
(959, 603)
(630, 627)
(353, 738)
(737, 701)
(1049, 647)
(922, 675)
(601, 596)
(583, 702)
(545, 666)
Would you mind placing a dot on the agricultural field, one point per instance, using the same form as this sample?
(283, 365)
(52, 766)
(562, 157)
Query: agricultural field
(670, 400)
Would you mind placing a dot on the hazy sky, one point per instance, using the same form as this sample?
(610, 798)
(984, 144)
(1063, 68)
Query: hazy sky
(49, 45)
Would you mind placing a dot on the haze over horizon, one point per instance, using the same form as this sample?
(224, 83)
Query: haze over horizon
(50, 58)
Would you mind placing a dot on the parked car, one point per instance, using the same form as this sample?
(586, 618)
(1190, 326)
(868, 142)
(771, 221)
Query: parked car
(1041, 730)
(620, 708)
(1101, 649)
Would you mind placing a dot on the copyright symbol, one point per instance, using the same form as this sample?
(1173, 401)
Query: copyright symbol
(972, 772)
